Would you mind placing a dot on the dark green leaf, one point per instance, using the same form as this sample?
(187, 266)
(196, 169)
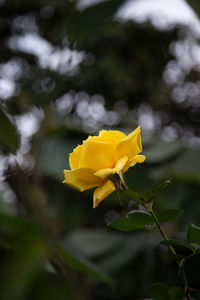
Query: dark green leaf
(162, 291)
(176, 257)
(193, 234)
(133, 195)
(178, 243)
(191, 267)
(9, 138)
(175, 293)
(148, 196)
(82, 264)
(126, 224)
(195, 4)
(161, 186)
(158, 291)
(140, 218)
(81, 24)
(169, 215)
(27, 244)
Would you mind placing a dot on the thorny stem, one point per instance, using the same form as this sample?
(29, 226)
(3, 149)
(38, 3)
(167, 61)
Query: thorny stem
(171, 248)
(122, 186)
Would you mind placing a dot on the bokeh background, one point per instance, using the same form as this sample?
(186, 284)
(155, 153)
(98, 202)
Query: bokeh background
(69, 69)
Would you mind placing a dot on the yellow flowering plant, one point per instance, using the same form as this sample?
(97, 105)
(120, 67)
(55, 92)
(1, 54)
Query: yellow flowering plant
(100, 162)
(99, 157)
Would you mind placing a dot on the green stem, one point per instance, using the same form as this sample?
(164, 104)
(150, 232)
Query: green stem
(171, 248)
(121, 185)
(173, 252)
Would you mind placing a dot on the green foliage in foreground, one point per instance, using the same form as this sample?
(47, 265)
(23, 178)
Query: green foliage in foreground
(141, 220)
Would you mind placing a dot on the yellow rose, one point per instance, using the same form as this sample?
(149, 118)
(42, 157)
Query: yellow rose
(99, 157)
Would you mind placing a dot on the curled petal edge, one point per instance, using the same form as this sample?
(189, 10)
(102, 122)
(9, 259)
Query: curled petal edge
(105, 189)
(130, 146)
(137, 159)
(81, 179)
(119, 166)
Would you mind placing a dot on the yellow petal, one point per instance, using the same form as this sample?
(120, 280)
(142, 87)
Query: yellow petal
(105, 172)
(109, 171)
(121, 164)
(97, 155)
(111, 136)
(130, 146)
(137, 159)
(81, 179)
(93, 138)
(74, 157)
(102, 192)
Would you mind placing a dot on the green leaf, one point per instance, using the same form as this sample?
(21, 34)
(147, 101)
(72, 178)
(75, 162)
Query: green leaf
(178, 243)
(158, 291)
(133, 195)
(193, 234)
(195, 4)
(161, 186)
(162, 291)
(126, 224)
(136, 220)
(175, 257)
(140, 218)
(169, 215)
(148, 196)
(176, 293)
(27, 245)
(9, 138)
(191, 267)
(82, 264)
(91, 20)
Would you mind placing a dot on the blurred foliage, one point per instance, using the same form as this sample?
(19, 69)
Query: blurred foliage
(9, 138)
(195, 5)
(51, 240)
